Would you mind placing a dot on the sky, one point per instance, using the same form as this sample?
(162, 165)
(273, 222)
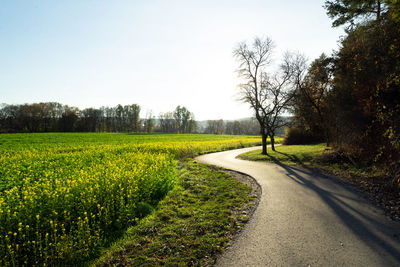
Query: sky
(155, 53)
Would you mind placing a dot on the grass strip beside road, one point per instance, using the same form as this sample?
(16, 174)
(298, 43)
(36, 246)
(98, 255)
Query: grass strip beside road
(295, 154)
(191, 226)
(311, 156)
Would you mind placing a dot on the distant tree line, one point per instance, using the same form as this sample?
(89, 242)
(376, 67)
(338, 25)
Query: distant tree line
(248, 126)
(55, 117)
(181, 120)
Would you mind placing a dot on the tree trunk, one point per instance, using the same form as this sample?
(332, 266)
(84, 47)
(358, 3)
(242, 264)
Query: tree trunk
(272, 142)
(322, 122)
(327, 138)
(378, 12)
(326, 133)
(264, 143)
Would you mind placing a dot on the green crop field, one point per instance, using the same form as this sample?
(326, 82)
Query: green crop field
(64, 195)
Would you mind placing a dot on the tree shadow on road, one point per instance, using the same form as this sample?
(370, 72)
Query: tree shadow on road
(290, 157)
(368, 229)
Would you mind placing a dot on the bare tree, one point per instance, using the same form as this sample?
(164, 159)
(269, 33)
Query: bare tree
(252, 61)
(132, 117)
(267, 94)
(233, 127)
(184, 120)
(214, 127)
(279, 92)
(167, 122)
(148, 122)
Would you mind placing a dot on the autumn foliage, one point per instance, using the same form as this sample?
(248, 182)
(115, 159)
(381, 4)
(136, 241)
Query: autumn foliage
(360, 106)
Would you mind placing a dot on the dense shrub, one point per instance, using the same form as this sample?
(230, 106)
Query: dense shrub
(298, 136)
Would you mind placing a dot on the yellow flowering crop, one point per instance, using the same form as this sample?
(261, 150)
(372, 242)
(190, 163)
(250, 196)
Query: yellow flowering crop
(63, 195)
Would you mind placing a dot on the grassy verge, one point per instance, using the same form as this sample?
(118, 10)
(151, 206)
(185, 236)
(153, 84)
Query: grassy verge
(191, 226)
(317, 156)
(297, 154)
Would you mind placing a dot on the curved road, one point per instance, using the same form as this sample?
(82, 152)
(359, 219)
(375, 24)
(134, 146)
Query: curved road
(307, 219)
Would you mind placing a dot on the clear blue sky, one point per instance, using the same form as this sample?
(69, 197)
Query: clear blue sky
(156, 53)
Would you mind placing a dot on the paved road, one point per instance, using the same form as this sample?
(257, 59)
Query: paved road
(305, 219)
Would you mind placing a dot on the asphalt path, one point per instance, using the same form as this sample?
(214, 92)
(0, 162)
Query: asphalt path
(307, 219)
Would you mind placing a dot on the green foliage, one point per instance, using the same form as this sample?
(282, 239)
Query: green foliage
(62, 196)
(192, 225)
(395, 9)
(348, 11)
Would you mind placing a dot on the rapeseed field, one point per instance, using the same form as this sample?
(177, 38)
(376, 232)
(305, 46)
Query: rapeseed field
(65, 195)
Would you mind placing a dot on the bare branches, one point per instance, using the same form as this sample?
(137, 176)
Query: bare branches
(268, 94)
